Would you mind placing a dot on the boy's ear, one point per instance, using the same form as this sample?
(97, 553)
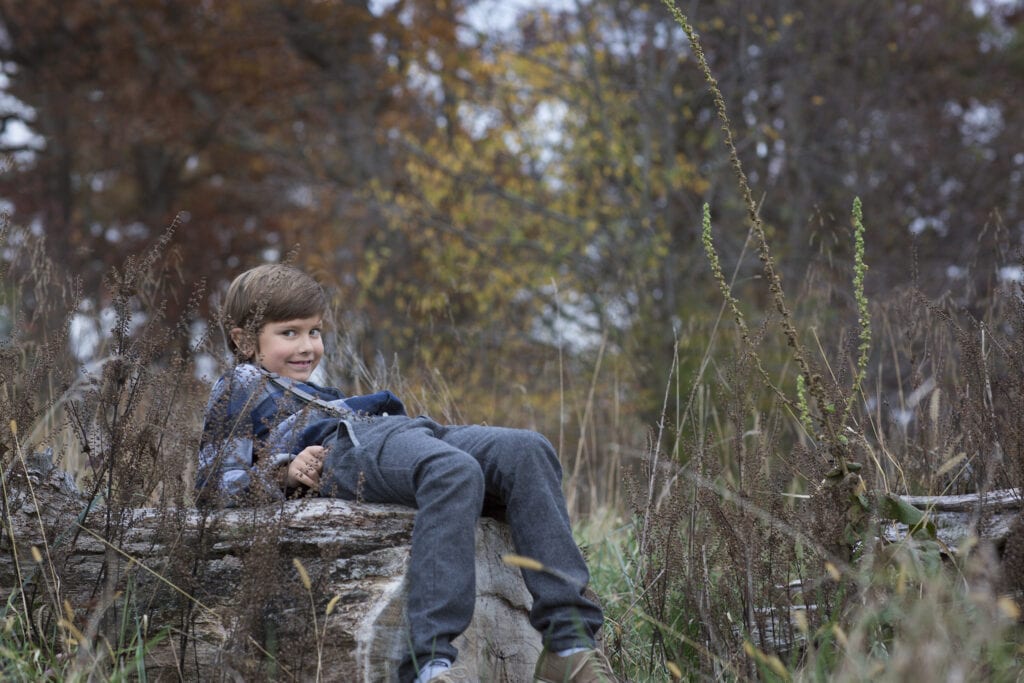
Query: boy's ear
(244, 341)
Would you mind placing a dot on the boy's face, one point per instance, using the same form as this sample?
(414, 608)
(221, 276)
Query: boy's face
(291, 348)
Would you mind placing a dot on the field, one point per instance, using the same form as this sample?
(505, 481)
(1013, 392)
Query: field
(752, 529)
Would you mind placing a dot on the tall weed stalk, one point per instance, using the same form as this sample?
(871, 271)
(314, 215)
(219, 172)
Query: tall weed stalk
(100, 386)
(763, 556)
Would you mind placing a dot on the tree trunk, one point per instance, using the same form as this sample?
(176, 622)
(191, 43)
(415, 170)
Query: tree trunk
(227, 589)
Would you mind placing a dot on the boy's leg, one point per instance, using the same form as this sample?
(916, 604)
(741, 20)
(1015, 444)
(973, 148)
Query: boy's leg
(400, 461)
(522, 471)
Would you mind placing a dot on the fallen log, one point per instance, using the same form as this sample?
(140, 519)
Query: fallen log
(306, 589)
(986, 516)
(960, 521)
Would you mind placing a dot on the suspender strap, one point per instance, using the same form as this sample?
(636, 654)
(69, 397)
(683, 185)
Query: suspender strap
(306, 397)
(345, 414)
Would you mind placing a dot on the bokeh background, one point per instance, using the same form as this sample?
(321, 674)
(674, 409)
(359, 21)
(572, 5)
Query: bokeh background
(504, 198)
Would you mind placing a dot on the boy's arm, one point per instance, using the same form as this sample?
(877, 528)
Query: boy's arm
(227, 465)
(380, 403)
(224, 467)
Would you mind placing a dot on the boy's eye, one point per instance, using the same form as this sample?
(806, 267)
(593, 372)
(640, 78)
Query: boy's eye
(315, 332)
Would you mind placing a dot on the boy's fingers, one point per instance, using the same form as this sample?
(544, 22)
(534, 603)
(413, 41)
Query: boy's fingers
(312, 474)
(306, 467)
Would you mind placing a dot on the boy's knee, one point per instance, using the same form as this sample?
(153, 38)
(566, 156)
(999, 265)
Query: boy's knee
(459, 471)
(468, 472)
(535, 448)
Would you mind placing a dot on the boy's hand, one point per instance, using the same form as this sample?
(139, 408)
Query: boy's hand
(306, 467)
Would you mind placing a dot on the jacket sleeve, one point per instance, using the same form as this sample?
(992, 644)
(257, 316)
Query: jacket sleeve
(380, 403)
(228, 470)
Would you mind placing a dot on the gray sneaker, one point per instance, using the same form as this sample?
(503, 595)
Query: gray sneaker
(589, 666)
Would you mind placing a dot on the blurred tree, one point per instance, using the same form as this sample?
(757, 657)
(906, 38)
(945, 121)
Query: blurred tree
(583, 155)
(544, 210)
(479, 196)
(907, 104)
(235, 113)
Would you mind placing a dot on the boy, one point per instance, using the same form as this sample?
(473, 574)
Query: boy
(270, 431)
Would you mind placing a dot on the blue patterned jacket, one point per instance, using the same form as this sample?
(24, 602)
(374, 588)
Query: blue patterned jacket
(256, 422)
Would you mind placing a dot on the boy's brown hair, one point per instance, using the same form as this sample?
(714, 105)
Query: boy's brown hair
(270, 293)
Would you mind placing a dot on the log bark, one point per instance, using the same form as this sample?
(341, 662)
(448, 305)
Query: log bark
(988, 516)
(225, 592)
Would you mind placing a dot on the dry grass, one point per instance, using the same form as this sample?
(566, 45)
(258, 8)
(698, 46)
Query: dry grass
(697, 555)
(737, 538)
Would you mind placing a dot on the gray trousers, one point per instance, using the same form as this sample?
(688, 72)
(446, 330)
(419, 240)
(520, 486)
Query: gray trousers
(446, 473)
